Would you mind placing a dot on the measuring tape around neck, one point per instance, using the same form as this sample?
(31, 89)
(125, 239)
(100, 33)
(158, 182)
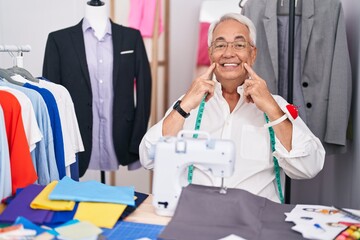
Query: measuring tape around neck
(197, 127)
(276, 164)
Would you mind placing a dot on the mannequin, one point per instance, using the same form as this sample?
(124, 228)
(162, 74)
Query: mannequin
(97, 15)
(98, 61)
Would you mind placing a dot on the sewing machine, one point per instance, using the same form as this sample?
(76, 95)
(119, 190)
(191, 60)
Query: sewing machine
(173, 155)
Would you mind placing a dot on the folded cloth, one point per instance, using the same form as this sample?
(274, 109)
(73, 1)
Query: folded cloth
(20, 206)
(42, 200)
(140, 197)
(60, 217)
(204, 213)
(104, 215)
(92, 191)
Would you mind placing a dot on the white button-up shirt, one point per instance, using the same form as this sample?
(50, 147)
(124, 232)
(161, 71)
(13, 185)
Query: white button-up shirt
(254, 167)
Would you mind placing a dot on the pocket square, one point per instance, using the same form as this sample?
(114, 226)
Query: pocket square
(127, 52)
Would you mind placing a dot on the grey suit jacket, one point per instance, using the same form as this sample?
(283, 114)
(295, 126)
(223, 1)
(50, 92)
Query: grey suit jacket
(325, 62)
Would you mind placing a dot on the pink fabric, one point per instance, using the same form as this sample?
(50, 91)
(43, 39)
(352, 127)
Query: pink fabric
(203, 56)
(142, 16)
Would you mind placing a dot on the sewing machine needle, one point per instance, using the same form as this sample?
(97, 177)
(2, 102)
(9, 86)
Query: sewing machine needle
(222, 188)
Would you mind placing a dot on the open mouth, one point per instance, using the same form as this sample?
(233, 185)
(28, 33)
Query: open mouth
(230, 64)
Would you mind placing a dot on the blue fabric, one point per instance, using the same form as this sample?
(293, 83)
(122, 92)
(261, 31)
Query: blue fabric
(92, 191)
(55, 125)
(30, 225)
(74, 169)
(20, 206)
(60, 217)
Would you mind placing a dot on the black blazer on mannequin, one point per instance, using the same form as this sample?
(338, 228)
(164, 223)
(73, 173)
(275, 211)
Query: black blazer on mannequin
(65, 64)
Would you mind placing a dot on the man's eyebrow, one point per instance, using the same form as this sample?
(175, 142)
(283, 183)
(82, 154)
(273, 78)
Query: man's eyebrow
(219, 39)
(237, 38)
(240, 38)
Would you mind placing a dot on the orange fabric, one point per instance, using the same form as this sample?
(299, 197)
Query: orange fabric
(22, 169)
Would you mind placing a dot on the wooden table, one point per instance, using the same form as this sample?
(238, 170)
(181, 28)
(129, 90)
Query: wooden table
(145, 213)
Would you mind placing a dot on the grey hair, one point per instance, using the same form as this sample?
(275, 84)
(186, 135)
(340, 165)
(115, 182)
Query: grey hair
(237, 17)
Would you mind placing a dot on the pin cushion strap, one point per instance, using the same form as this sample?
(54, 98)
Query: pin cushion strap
(293, 115)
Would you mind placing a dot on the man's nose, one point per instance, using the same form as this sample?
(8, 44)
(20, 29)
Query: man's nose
(229, 49)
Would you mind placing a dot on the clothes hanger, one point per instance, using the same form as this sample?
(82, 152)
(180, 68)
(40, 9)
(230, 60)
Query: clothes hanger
(6, 75)
(242, 3)
(24, 73)
(95, 3)
(283, 7)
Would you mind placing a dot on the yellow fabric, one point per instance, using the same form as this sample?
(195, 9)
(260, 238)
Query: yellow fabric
(100, 214)
(2, 207)
(42, 200)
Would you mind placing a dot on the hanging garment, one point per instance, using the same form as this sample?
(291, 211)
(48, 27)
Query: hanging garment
(22, 169)
(325, 63)
(31, 127)
(55, 126)
(69, 124)
(44, 154)
(5, 172)
(210, 11)
(65, 63)
(142, 16)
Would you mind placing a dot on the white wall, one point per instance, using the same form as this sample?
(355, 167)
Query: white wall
(29, 22)
(25, 22)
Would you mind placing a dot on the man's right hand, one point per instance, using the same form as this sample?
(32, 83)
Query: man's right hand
(203, 85)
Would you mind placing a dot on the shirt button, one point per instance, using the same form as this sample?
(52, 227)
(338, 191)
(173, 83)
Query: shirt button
(100, 61)
(100, 81)
(308, 105)
(305, 84)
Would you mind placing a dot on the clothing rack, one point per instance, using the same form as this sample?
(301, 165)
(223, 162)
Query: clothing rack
(290, 78)
(11, 49)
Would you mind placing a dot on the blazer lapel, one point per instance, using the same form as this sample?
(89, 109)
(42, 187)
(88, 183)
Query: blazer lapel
(117, 43)
(270, 26)
(307, 25)
(77, 37)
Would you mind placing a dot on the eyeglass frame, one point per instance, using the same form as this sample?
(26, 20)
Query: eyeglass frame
(227, 45)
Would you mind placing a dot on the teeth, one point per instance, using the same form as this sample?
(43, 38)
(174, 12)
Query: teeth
(230, 64)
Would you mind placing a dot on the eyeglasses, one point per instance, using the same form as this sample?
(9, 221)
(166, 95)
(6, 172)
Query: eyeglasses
(220, 46)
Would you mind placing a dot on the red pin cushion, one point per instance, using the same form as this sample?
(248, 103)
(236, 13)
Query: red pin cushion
(294, 113)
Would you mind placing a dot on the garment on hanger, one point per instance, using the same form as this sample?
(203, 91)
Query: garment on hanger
(32, 131)
(22, 169)
(142, 15)
(210, 11)
(55, 126)
(5, 171)
(43, 155)
(69, 124)
(65, 63)
(325, 73)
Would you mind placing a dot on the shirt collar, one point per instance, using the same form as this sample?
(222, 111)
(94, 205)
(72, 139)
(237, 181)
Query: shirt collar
(240, 89)
(86, 25)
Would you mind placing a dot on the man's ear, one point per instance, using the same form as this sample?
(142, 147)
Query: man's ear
(210, 56)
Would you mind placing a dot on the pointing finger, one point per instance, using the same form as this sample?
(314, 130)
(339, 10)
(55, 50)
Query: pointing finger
(252, 73)
(209, 72)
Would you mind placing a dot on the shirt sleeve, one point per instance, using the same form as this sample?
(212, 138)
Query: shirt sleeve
(307, 155)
